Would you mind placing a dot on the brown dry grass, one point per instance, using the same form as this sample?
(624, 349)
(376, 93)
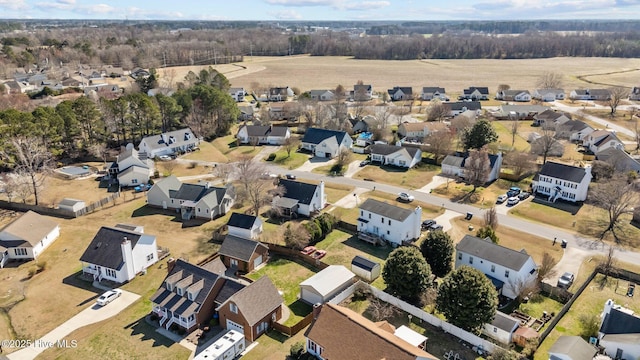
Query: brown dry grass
(414, 178)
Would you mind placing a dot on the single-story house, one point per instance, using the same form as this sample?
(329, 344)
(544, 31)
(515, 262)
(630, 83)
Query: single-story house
(572, 348)
(561, 181)
(430, 93)
(400, 93)
(635, 93)
(619, 159)
(388, 222)
(71, 205)
(402, 156)
(326, 143)
(514, 95)
(417, 131)
(550, 117)
(366, 269)
(271, 135)
(243, 255)
(574, 130)
(362, 92)
(27, 237)
(169, 143)
(475, 93)
(520, 112)
(453, 165)
(326, 284)
(501, 328)
(600, 140)
(322, 95)
(590, 94)
(246, 112)
(458, 107)
(119, 253)
(547, 143)
(244, 226)
(548, 95)
(300, 198)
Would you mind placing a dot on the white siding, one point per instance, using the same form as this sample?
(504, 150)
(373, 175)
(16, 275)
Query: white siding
(391, 230)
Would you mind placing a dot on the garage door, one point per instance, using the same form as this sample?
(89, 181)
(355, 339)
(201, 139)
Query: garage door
(257, 262)
(234, 326)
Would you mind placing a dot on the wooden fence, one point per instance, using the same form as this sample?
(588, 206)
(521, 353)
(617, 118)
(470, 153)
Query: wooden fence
(348, 227)
(295, 254)
(292, 330)
(94, 206)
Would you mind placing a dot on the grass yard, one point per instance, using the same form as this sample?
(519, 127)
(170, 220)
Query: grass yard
(342, 247)
(228, 146)
(503, 129)
(334, 191)
(273, 346)
(207, 152)
(484, 197)
(293, 161)
(414, 178)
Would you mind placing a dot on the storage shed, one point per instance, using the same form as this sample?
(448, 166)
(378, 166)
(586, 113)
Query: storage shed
(71, 205)
(326, 284)
(365, 268)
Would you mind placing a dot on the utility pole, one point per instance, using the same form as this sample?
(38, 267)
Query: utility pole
(215, 57)
(164, 57)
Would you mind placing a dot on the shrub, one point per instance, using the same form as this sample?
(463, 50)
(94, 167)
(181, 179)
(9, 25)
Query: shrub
(314, 231)
(32, 271)
(193, 165)
(41, 266)
(296, 349)
(271, 157)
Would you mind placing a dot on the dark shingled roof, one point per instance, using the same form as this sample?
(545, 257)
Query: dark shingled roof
(242, 221)
(431, 90)
(562, 171)
(481, 90)
(386, 210)
(504, 322)
(256, 130)
(192, 192)
(386, 149)
(239, 248)
(229, 288)
(487, 250)
(460, 105)
(316, 136)
(257, 300)
(619, 322)
(363, 263)
(303, 192)
(104, 250)
(405, 89)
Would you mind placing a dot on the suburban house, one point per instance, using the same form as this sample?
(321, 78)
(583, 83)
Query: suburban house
(300, 198)
(27, 237)
(430, 93)
(574, 130)
(322, 95)
(394, 224)
(244, 226)
(339, 333)
(510, 271)
(119, 253)
(520, 112)
(590, 94)
(402, 156)
(572, 348)
(280, 93)
(326, 143)
(252, 310)
(270, 135)
(131, 168)
(619, 332)
(362, 92)
(600, 140)
(366, 269)
(550, 117)
(237, 93)
(635, 93)
(458, 107)
(619, 159)
(475, 93)
(326, 284)
(561, 181)
(400, 93)
(514, 95)
(453, 165)
(360, 125)
(242, 255)
(201, 200)
(246, 112)
(548, 95)
(169, 143)
(417, 131)
(501, 328)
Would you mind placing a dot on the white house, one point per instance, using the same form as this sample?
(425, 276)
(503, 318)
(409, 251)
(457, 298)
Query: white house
(132, 168)
(201, 200)
(475, 93)
(514, 95)
(501, 328)
(270, 135)
(548, 95)
(326, 284)
(119, 253)
(560, 181)
(430, 93)
(510, 271)
(418, 130)
(635, 93)
(71, 205)
(169, 143)
(300, 198)
(237, 93)
(400, 93)
(550, 117)
(27, 237)
(326, 143)
(280, 93)
(401, 156)
(389, 222)
(458, 107)
(362, 92)
(600, 140)
(619, 332)
(590, 94)
(574, 130)
(244, 226)
(572, 348)
(322, 95)
(453, 165)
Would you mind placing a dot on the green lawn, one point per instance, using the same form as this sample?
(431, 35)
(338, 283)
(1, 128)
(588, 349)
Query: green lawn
(295, 160)
(414, 178)
(342, 247)
(207, 152)
(228, 146)
(503, 129)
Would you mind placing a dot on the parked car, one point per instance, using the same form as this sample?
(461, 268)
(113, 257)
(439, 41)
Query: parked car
(164, 157)
(513, 200)
(108, 297)
(143, 187)
(513, 191)
(427, 223)
(290, 176)
(523, 195)
(406, 197)
(308, 250)
(566, 280)
(435, 227)
(319, 254)
(268, 175)
(365, 162)
(501, 198)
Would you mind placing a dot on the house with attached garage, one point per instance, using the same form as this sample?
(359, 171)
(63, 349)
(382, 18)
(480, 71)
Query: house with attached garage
(280, 93)
(501, 328)
(326, 284)
(548, 95)
(600, 140)
(510, 271)
(400, 93)
(339, 333)
(590, 94)
(27, 237)
(201, 201)
(300, 198)
(519, 112)
(322, 95)
(430, 93)
(514, 95)
(458, 107)
(550, 118)
(619, 332)
(572, 348)
(258, 135)
(326, 143)
(237, 93)
(252, 310)
(561, 181)
(574, 130)
(619, 159)
(119, 253)
(475, 93)
(242, 255)
(169, 143)
(635, 93)
(244, 226)
(131, 168)
(417, 131)
(453, 165)
(400, 156)
(379, 220)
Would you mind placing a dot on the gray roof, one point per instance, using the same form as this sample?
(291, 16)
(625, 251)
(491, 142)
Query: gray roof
(504, 322)
(550, 115)
(481, 90)
(242, 221)
(30, 227)
(593, 92)
(460, 105)
(215, 266)
(431, 90)
(453, 160)
(562, 171)
(386, 149)
(316, 135)
(386, 210)
(487, 250)
(257, 300)
(69, 202)
(363, 263)
(574, 347)
(227, 290)
(622, 338)
(239, 248)
(329, 279)
(301, 191)
(319, 92)
(407, 90)
(575, 125)
(257, 130)
(104, 250)
(620, 322)
(179, 137)
(514, 92)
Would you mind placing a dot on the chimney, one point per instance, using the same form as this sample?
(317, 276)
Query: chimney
(127, 258)
(171, 263)
(317, 308)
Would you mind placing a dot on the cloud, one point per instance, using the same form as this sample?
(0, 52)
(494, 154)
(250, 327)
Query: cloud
(286, 15)
(97, 9)
(59, 5)
(303, 2)
(365, 5)
(13, 4)
(138, 13)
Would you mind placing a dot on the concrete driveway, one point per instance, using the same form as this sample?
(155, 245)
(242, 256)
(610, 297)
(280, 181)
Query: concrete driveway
(353, 168)
(571, 260)
(315, 162)
(90, 315)
(351, 200)
(436, 181)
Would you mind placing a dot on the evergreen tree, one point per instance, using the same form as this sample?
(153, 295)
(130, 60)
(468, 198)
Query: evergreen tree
(437, 250)
(406, 273)
(479, 135)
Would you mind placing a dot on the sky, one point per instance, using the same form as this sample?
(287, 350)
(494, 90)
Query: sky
(321, 9)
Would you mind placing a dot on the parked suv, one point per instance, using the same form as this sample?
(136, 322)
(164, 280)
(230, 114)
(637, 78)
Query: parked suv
(501, 198)
(513, 191)
(566, 280)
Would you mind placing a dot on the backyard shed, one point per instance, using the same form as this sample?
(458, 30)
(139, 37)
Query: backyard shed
(365, 268)
(326, 284)
(71, 205)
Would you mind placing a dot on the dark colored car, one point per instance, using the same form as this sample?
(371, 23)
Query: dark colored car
(427, 223)
(365, 162)
(435, 227)
(290, 176)
(513, 191)
(523, 195)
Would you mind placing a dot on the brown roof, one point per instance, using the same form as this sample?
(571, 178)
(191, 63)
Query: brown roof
(344, 334)
(412, 127)
(257, 300)
(31, 227)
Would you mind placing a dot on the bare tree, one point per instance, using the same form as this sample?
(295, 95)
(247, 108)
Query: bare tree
(617, 197)
(169, 166)
(491, 218)
(381, 310)
(608, 263)
(616, 94)
(477, 167)
(503, 87)
(520, 162)
(248, 171)
(550, 80)
(546, 142)
(344, 157)
(22, 187)
(383, 114)
(28, 156)
(439, 143)
(636, 128)
(290, 144)
(514, 131)
(546, 268)
(223, 171)
(99, 150)
(437, 111)
(295, 235)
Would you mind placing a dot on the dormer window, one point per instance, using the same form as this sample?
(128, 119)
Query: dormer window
(179, 291)
(190, 296)
(169, 286)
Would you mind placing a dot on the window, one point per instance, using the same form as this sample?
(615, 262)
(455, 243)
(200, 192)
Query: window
(389, 222)
(470, 259)
(150, 257)
(169, 286)
(493, 268)
(460, 256)
(369, 216)
(233, 308)
(388, 232)
(506, 273)
(382, 220)
(192, 317)
(110, 272)
(179, 291)
(134, 181)
(495, 329)
(20, 251)
(361, 213)
(312, 346)
(190, 295)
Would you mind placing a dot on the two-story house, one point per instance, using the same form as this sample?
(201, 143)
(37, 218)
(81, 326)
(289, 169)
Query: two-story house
(242, 255)
(326, 143)
(475, 93)
(561, 181)
(402, 156)
(300, 198)
(619, 332)
(131, 169)
(280, 93)
(510, 271)
(237, 93)
(362, 92)
(258, 135)
(168, 143)
(390, 223)
(600, 140)
(430, 93)
(400, 93)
